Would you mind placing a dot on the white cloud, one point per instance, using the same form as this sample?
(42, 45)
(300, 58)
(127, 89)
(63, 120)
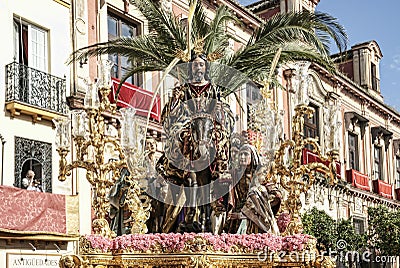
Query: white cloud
(395, 64)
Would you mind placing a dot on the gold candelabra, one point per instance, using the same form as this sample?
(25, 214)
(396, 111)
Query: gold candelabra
(293, 175)
(282, 159)
(91, 138)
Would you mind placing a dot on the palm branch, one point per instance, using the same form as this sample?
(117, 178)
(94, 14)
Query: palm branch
(299, 36)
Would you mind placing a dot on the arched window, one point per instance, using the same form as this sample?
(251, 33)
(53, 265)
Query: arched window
(33, 155)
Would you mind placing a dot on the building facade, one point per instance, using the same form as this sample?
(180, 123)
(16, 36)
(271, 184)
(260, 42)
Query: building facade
(35, 83)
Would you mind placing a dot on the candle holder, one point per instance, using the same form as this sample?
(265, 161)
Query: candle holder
(90, 138)
(282, 159)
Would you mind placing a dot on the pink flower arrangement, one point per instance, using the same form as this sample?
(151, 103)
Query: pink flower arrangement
(100, 242)
(295, 242)
(175, 242)
(283, 221)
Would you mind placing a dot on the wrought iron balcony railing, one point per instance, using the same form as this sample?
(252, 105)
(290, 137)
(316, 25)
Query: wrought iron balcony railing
(34, 87)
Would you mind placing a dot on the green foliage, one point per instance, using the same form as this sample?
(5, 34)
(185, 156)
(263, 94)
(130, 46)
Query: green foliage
(328, 231)
(345, 231)
(320, 225)
(384, 230)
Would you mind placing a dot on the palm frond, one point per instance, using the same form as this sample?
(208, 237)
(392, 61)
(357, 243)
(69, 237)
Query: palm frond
(296, 34)
(283, 28)
(217, 39)
(334, 30)
(165, 24)
(200, 27)
(313, 29)
(141, 47)
(300, 36)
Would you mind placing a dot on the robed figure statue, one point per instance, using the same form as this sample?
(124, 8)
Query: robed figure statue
(253, 203)
(197, 124)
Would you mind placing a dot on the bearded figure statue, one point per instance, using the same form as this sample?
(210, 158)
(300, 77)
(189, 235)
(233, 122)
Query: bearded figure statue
(197, 124)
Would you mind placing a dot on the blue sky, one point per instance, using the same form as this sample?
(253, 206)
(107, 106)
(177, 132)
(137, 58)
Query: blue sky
(366, 20)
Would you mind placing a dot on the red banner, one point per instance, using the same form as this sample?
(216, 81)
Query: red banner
(358, 179)
(31, 212)
(136, 97)
(383, 188)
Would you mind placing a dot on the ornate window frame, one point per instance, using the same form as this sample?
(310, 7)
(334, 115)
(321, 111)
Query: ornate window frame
(396, 149)
(26, 149)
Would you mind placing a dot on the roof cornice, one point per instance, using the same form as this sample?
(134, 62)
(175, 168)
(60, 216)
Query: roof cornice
(356, 90)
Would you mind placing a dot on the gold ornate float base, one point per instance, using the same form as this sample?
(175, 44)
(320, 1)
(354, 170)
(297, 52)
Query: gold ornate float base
(189, 260)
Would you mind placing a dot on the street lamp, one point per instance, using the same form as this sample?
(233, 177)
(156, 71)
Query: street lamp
(91, 139)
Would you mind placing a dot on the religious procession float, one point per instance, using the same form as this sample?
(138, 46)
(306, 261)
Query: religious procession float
(214, 198)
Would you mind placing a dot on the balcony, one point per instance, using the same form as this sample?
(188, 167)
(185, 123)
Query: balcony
(382, 188)
(310, 157)
(358, 180)
(34, 93)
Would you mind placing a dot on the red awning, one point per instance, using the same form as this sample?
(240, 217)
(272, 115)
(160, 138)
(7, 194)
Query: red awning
(383, 188)
(136, 97)
(357, 179)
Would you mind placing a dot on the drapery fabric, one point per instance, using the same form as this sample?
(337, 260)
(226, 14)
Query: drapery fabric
(32, 212)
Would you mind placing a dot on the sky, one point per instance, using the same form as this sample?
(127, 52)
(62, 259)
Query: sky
(366, 20)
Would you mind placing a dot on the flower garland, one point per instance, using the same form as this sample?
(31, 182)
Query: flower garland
(176, 242)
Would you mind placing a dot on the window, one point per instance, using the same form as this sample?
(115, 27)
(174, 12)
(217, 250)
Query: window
(30, 45)
(374, 79)
(353, 151)
(397, 172)
(121, 28)
(311, 125)
(377, 162)
(36, 167)
(359, 226)
(253, 94)
(36, 156)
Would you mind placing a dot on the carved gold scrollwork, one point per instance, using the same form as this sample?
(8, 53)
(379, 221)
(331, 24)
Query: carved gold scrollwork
(293, 175)
(101, 227)
(71, 261)
(139, 205)
(102, 174)
(202, 261)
